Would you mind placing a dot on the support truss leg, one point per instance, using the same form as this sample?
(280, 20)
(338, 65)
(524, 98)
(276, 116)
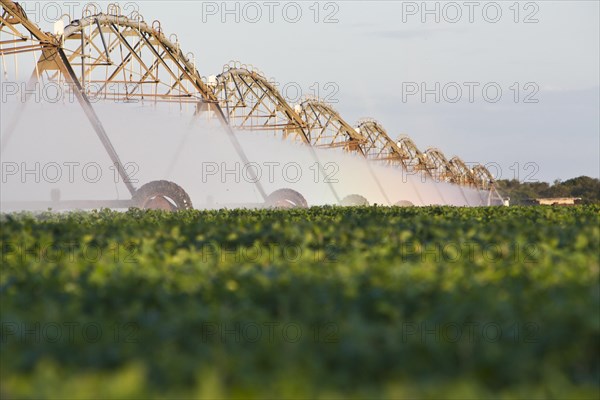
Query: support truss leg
(93, 118)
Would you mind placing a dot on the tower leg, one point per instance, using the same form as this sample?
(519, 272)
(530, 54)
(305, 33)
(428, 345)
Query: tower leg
(83, 100)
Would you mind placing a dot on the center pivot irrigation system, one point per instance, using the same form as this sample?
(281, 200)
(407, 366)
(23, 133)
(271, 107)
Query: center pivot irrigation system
(110, 56)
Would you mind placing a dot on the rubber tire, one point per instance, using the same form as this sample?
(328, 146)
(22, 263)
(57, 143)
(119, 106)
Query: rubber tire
(353, 200)
(286, 198)
(166, 189)
(404, 203)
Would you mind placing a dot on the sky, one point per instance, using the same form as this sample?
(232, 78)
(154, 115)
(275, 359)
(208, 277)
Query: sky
(512, 85)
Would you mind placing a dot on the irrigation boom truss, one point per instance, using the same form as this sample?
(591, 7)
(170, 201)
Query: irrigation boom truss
(110, 56)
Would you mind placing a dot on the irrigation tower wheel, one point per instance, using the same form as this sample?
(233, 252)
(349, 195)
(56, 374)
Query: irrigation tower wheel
(354, 200)
(286, 198)
(162, 195)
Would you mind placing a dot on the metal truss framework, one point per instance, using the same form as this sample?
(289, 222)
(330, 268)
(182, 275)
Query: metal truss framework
(326, 128)
(380, 146)
(439, 167)
(417, 161)
(123, 59)
(483, 178)
(251, 102)
(463, 175)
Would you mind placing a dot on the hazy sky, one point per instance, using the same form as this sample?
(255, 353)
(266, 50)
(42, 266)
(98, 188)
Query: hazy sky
(375, 58)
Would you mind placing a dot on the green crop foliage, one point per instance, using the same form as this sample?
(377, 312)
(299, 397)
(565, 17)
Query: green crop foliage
(436, 302)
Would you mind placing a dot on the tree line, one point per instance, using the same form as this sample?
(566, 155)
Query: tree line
(523, 193)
